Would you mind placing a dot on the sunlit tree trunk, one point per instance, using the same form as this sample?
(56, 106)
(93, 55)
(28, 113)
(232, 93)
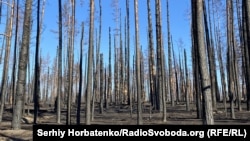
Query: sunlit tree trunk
(138, 69)
(198, 33)
(13, 85)
(230, 57)
(210, 59)
(22, 67)
(170, 60)
(8, 35)
(71, 63)
(90, 63)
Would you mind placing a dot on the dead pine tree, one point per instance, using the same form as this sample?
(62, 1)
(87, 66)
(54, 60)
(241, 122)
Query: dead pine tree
(90, 63)
(246, 34)
(37, 68)
(128, 58)
(158, 58)
(70, 62)
(13, 75)
(110, 73)
(59, 81)
(186, 83)
(116, 85)
(22, 67)
(218, 44)
(170, 60)
(79, 98)
(230, 56)
(101, 103)
(96, 82)
(8, 34)
(240, 88)
(152, 71)
(210, 59)
(196, 77)
(160, 67)
(121, 65)
(198, 36)
(138, 69)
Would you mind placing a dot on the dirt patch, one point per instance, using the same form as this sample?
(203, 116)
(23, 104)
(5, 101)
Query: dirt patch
(16, 135)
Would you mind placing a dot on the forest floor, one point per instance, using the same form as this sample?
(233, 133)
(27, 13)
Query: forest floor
(120, 115)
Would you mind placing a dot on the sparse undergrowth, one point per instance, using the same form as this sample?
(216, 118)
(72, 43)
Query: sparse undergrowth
(119, 115)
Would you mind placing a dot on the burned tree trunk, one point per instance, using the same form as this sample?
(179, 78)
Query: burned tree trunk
(198, 33)
(90, 63)
(138, 68)
(22, 67)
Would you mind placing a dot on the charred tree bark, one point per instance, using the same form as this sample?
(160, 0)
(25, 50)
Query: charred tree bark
(22, 67)
(59, 87)
(210, 60)
(6, 58)
(78, 114)
(101, 84)
(109, 74)
(12, 97)
(37, 67)
(152, 71)
(198, 33)
(246, 22)
(170, 60)
(230, 56)
(186, 83)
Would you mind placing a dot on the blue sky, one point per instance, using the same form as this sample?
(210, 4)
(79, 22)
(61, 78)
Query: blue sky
(180, 24)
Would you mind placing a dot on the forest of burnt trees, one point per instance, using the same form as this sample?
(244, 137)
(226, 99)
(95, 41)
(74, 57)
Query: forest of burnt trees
(220, 70)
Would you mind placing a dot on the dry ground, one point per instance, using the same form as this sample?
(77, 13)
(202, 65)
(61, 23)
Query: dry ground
(120, 115)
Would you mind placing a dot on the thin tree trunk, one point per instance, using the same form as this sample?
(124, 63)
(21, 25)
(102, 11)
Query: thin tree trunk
(22, 67)
(187, 83)
(15, 56)
(101, 84)
(59, 86)
(176, 75)
(128, 58)
(37, 67)
(78, 114)
(230, 59)
(90, 62)
(170, 60)
(152, 71)
(246, 14)
(138, 69)
(121, 65)
(110, 73)
(71, 63)
(6, 59)
(160, 62)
